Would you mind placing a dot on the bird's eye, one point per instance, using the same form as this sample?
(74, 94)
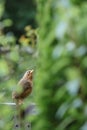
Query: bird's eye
(16, 125)
(28, 72)
(28, 126)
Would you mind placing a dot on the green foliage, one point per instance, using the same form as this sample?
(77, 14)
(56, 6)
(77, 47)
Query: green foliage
(60, 79)
(15, 56)
(59, 60)
(22, 13)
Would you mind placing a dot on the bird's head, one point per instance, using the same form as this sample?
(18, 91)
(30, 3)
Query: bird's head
(29, 74)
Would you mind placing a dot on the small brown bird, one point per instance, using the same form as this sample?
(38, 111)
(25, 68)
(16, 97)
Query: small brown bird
(26, 87)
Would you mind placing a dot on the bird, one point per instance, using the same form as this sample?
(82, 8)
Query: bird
(26, 84)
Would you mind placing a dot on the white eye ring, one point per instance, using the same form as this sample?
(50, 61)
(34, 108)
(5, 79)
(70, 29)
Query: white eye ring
(28, 72)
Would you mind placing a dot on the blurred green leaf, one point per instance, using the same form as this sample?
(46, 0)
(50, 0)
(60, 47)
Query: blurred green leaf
(3, 68)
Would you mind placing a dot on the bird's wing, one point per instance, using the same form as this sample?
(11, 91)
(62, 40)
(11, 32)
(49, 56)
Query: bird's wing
(27, 88)
(26, 85)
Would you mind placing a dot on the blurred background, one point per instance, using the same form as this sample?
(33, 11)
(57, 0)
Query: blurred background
(51, 38)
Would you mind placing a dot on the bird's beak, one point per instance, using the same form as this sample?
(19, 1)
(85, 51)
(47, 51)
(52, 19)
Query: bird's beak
(31, 71)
